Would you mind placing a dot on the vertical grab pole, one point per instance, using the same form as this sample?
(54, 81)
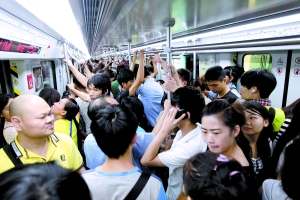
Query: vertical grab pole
(66, 57)
(169, 22)
(194, 62)
(169, 53)
(129, 51)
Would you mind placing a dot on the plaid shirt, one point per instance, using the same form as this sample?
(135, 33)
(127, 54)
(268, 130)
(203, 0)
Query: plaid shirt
(262, 102)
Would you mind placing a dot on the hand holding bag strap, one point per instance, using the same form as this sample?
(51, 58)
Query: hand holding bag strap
(138, 187)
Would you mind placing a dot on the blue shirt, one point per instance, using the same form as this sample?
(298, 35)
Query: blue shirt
(116, 185)
(151, 95)
(95, 157)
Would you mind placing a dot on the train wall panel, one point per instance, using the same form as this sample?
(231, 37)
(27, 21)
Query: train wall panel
(294, 79)
(279, 60)
(14, 29)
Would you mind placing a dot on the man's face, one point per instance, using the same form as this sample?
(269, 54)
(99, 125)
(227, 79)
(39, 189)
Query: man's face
(94, 92)
(37, 71)
(246, 93)
(37, 121)
(127, 85)
(216, 86)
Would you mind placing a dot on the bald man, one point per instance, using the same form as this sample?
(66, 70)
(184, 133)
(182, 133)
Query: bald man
(94, 155)
(36, 140)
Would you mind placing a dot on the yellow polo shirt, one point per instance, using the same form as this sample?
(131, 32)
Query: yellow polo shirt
(61, 149)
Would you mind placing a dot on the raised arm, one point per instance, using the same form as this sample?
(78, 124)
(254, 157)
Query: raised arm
(81, 95)
(87, 71)
(150, 157)
(139, 76)
(80, 77)
(133, 61)
(155, 70)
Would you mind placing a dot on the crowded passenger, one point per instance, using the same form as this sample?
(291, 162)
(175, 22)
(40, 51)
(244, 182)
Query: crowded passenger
(216, 81)
(66, 119)
(187, 142)
(214, 176)
(292, 131)
(257, 85)
(94, 155)
(285, 187)
(128, 82)
(9, 131)
(36, 141)
(42, 181)
(117, 134)
(257, 130)
(50, 95)
(232, 74)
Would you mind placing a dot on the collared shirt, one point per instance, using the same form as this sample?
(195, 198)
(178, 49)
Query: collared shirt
(263, 102)
(95, 156)
(181, 150)
(9, 132)
(151, 94)
(61, 149)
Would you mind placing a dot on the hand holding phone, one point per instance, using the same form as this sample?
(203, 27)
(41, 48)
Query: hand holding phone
(180, 112)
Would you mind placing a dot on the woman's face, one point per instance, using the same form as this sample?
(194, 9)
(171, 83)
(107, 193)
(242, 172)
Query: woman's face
(59, 107)
(254, 123)
(218, 137)
(5, 111)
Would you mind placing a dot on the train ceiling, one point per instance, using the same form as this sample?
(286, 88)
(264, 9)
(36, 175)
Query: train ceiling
(111, 24)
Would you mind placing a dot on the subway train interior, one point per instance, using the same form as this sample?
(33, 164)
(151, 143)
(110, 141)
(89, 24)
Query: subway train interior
(250, 33)
(37, 35)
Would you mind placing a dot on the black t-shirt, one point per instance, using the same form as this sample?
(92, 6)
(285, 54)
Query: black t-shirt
(230, 97)
(122, 95)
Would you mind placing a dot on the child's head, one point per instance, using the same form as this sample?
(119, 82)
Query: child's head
(214, 176)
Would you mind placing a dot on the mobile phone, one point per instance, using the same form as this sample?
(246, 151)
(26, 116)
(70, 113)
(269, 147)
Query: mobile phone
(180, 112)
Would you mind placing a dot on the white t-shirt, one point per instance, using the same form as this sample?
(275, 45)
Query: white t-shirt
(181, 150)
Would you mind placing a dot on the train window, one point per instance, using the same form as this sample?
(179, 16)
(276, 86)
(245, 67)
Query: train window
(43, 75)
(252, 61)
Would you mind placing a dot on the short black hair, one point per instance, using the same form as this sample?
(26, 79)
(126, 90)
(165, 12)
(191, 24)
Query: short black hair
(264, 80)
(190, 99)
(42, 181)
(50, 95)
(134, 104)
(124, 76)
(235, 71)
(100, 81)
(114, 128)
(77, 83)
(184, 75)
(215, 73)
(98, 104)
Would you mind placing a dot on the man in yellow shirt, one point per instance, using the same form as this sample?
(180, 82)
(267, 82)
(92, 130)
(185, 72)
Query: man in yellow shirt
(36, 141)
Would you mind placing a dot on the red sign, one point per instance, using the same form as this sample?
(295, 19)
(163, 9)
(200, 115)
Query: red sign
(279, 70)
(30, 81)
(297, 71)
(18, 47)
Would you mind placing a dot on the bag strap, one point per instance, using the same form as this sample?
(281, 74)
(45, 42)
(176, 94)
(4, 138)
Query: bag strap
(8, 149)
(138, 187)
(71, 128)
(272, 114)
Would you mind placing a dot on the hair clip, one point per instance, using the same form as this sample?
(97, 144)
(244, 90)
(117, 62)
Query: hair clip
(233, 173)
(215, 168)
